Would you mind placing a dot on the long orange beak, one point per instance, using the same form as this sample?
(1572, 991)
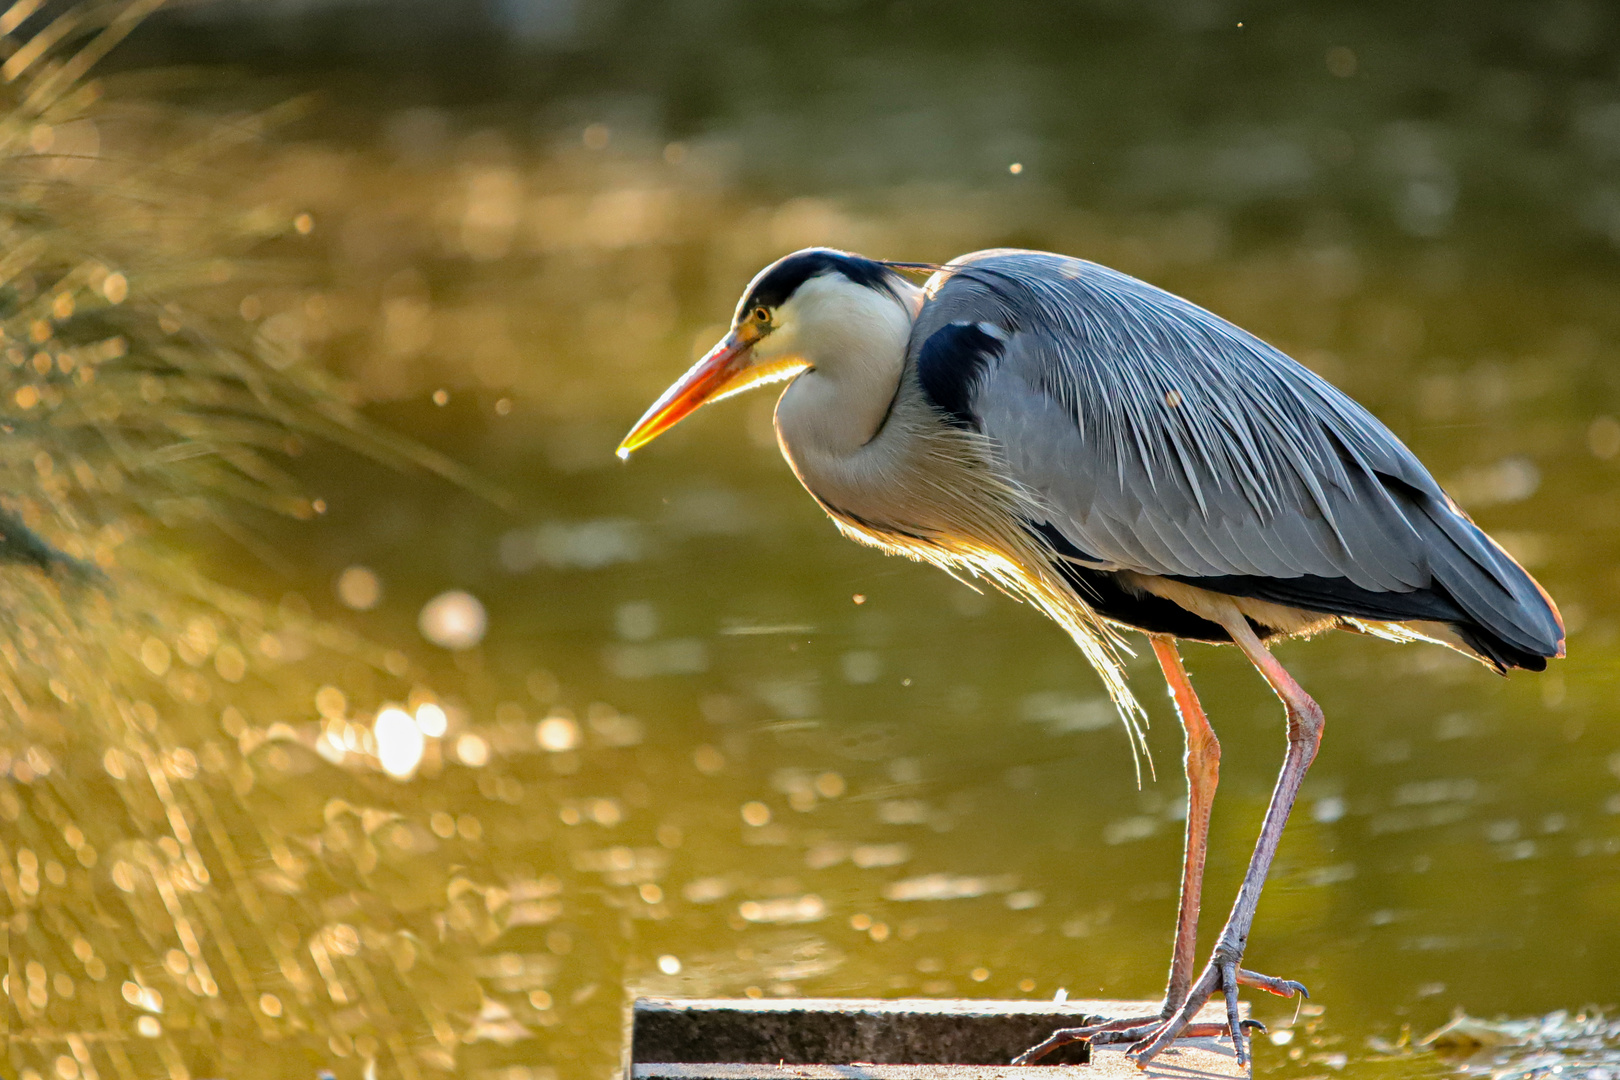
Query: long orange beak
(707, 379)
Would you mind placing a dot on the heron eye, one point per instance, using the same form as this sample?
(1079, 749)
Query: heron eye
(761, 315)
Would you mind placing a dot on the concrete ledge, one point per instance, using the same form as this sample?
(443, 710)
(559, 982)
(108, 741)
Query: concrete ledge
(904, 1039)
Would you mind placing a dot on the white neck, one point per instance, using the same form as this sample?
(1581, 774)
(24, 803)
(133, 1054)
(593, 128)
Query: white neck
(854, 340)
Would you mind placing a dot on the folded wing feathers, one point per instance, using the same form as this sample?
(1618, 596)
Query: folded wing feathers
(1212, 453)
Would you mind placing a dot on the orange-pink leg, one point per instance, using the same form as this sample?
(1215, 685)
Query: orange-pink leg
(1203, 766)
(1223, 974)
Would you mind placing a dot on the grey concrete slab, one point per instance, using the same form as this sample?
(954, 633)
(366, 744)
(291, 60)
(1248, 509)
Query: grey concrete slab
(880, 1039)
(1196, 1059)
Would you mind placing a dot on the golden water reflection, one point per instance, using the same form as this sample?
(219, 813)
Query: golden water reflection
(486, 769)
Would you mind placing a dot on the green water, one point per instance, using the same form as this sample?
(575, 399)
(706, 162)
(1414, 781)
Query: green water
(706, 746)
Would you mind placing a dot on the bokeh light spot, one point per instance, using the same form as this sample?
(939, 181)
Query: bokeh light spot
(557, 733)
(400, 742)
(472, 751)
(360, 588)
(453, 620)
(432, 720)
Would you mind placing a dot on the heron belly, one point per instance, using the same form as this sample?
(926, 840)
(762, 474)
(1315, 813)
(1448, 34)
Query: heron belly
(1280, 619)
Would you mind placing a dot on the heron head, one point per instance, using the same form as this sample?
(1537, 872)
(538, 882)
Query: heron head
(794, 305)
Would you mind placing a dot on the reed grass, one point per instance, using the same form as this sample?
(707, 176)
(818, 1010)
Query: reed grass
(149, 716)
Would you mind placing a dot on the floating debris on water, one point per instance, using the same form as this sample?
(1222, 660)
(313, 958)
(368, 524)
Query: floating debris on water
(1562, 1044)
(949, 887)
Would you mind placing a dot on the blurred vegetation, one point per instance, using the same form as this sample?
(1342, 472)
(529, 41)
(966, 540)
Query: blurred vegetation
(135, 400)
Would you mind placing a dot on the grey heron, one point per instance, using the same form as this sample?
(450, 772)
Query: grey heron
(1124, 460)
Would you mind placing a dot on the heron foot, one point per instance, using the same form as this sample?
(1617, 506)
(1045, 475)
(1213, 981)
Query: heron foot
(1123, 1030)
(1223, 976)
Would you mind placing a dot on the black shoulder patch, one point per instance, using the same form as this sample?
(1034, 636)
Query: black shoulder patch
(951, 362)
(782, 278)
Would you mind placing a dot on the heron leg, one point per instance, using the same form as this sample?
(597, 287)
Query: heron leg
(1223, 973)
(1203, 766)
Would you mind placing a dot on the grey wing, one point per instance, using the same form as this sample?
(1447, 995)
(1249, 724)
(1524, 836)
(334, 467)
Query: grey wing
(1164, 440)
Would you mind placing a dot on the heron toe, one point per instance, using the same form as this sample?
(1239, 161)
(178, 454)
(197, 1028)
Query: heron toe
(1127, 1029)
(1270, 984)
